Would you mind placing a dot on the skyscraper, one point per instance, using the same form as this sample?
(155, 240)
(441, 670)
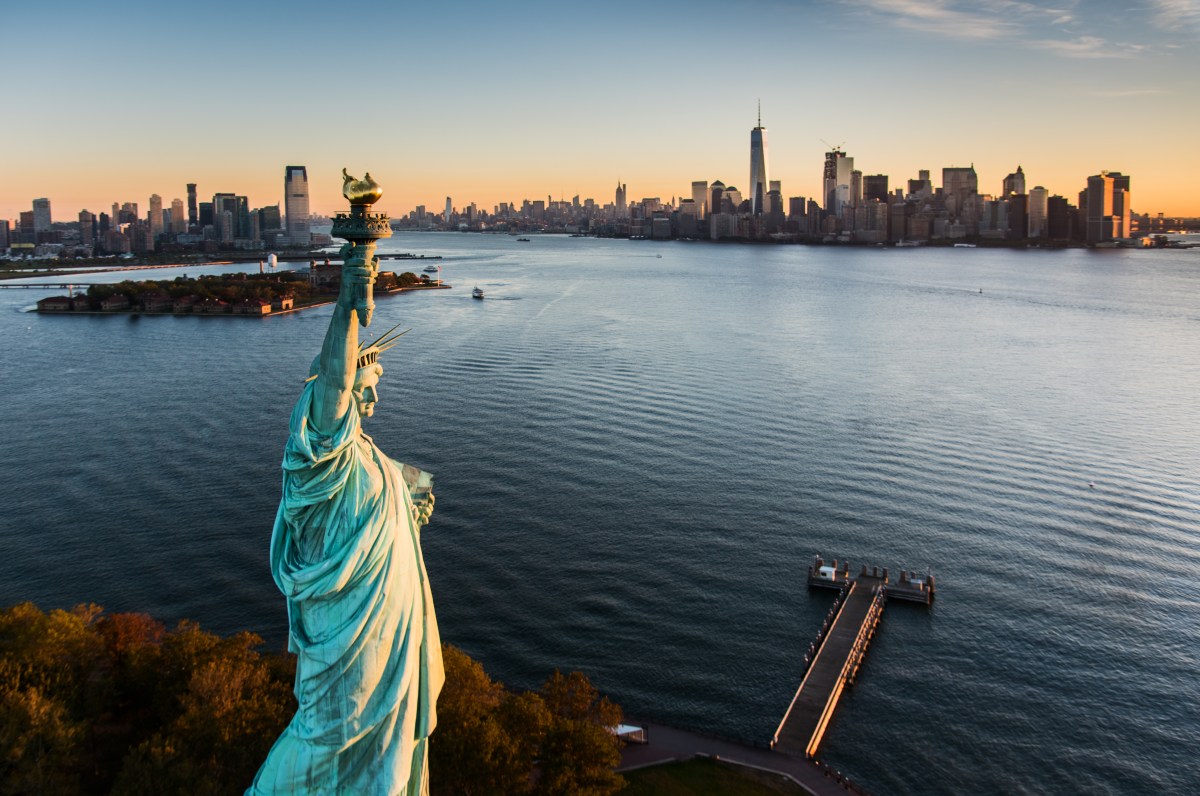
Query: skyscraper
(1017, 210)
(178, 220)
(193, 217)
(41, 216)
(269, 218)
(839, 170)
(622, 207)
(875, 187)
(241, 219)
(922, 187)
(1108, 207)
(87, 228)
(1014, 183)
(1060, 218)
(295, 192)
(774, 203)
(758, 166)
(700, 197)
(449, 209)
(716, 192)
(224, 202)
(960, 186)
(156, 216)
(1039, 199)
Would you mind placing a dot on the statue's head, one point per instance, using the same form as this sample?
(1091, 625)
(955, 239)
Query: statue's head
(367, 370)
(365, 393)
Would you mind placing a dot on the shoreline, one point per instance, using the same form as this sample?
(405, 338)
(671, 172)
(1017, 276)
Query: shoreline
(271, 314)
(110, 267)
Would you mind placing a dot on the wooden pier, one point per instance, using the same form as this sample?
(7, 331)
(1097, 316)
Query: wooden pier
(834, 658)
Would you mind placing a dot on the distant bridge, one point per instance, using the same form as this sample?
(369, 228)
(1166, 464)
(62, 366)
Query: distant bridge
(50, 285)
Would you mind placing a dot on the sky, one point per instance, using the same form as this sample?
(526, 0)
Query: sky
(491, 102)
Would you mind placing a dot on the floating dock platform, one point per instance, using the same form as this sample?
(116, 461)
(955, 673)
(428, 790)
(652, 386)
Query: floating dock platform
(833, 660)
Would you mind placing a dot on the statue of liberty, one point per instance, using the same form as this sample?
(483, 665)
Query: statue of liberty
(346, 553)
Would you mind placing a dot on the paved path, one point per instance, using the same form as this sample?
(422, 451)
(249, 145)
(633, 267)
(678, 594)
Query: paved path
(667, 744)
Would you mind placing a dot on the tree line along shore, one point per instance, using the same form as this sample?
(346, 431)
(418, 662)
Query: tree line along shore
(116, 703)
(223, 294)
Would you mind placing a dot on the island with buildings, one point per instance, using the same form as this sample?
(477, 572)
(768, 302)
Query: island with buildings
(246, 295)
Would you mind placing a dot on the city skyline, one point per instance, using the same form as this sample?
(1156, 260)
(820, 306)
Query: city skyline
(473, 105)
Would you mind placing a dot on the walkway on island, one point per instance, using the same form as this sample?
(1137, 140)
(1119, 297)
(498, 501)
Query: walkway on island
(668, 744)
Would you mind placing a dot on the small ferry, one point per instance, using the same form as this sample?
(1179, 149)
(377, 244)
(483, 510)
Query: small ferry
(430, 269)
(477, 293)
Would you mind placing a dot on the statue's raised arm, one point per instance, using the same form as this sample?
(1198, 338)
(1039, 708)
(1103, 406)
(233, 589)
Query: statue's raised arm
(337, 366)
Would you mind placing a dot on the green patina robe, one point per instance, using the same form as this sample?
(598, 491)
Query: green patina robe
(346, 554)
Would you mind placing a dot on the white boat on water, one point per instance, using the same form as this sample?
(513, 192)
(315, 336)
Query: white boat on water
(477, 293)
(431, 269)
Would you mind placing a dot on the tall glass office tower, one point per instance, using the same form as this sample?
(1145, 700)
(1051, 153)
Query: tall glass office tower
(758, 166)
(295, 192)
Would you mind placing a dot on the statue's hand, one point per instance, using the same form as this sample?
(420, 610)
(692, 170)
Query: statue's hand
(356, 291)
(358, 275)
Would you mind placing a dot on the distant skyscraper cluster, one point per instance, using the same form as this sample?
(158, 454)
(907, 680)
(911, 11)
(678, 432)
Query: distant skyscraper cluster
(225, 222)
(852, 208)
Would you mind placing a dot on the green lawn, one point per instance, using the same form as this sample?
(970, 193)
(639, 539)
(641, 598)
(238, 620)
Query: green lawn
(706, 778)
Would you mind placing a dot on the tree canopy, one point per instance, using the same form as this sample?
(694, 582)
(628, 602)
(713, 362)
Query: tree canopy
(97, 703)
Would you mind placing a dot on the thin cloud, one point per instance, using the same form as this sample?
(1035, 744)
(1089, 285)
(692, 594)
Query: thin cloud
(1055, 30)
(1088, 47)
(1173, 14)
(932, 16)
(1129, 92)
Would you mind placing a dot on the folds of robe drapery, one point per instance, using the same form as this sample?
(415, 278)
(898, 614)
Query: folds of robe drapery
(346, 554)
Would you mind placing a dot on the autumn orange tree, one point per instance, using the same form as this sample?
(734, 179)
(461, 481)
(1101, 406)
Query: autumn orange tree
(95, 703)
(557, 741)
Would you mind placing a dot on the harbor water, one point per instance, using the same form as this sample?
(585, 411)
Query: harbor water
(638, 447)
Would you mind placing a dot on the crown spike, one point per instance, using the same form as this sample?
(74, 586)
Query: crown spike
(378, 339)
(382, 343)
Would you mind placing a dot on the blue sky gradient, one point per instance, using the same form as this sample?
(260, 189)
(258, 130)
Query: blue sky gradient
(490, 102)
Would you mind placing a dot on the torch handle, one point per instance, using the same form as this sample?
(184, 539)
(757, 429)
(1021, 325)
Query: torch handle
(364, 295)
